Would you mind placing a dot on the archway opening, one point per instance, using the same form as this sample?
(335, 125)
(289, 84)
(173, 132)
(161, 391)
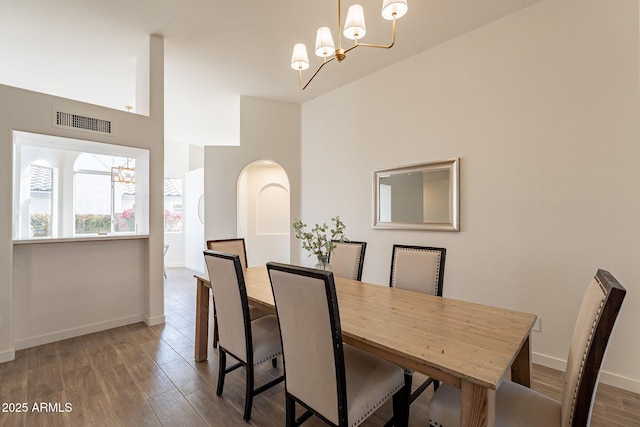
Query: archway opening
(264, 212)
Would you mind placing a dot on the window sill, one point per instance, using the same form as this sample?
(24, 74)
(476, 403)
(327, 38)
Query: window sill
(80, 239)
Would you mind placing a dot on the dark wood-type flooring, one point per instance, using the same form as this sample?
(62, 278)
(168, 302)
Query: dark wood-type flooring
(146, 376)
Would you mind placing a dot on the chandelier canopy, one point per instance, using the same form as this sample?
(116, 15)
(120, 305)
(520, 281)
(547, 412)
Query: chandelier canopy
(354, 29)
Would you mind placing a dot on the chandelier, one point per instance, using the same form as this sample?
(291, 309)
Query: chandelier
(354, 29)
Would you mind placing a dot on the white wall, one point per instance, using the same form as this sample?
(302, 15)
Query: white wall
(49, 306)
(542, 107)
(193, 227)
(269, 130)
(32, 112)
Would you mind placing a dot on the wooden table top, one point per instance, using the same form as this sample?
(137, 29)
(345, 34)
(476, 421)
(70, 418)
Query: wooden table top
(447, 339)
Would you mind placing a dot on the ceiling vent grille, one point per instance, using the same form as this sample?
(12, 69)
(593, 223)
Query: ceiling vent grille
(79, 122)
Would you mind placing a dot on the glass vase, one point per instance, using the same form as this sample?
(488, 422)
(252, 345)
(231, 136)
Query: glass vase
(323, 263)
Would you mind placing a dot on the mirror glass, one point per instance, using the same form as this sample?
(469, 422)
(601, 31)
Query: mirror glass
(201, 208)
(417, 197)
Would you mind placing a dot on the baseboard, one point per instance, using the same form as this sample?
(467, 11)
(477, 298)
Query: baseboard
(196, 268)
(152, 321)
(629, 384)
(7, 356)
(174, 265)
(76, 332)
(548, 361)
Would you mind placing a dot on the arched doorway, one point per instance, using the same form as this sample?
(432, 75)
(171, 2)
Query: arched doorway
(264, 212)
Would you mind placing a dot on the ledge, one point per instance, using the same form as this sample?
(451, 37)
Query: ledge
(80, 239)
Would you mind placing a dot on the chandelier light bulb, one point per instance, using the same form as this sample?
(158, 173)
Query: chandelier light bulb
(324, 43)
(354, 26)
(299, 58)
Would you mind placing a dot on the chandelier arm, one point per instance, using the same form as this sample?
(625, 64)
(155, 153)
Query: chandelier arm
(381, 46)
(314, 74)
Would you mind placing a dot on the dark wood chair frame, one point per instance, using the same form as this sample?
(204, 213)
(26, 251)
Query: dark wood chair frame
(400, 407)
(605, 322)
(250, 391)
(443, 254)
(363, 246)
(209, 247)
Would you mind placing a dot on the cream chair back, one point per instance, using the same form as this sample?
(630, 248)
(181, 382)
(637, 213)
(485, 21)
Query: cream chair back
(230, 246)
(418, 268)
(311, 337)
(596, 318)
(347, 259)
(232, 308)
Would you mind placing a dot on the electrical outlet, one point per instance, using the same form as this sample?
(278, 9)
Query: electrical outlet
(537, 325)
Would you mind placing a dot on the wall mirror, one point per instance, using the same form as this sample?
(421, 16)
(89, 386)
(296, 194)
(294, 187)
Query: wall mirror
(417, 197)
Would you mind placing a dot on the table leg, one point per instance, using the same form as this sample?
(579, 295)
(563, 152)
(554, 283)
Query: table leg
(478, 405)
(521, 367)
(202, 320)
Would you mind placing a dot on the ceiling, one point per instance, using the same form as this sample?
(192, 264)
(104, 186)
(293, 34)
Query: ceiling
(215, 50)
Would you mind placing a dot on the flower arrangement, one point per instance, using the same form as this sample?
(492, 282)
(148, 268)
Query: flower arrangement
(316, 241)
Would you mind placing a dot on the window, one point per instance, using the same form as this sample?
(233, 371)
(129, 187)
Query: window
(66, 188)
(40, 201)
(173, 205)
(103, 204)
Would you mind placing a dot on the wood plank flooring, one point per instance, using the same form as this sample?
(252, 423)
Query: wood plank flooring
(146, 376)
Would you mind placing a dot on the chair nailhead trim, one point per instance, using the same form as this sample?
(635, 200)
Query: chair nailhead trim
(376, 406)
(435, 278)
(584, 361)
(266, 359)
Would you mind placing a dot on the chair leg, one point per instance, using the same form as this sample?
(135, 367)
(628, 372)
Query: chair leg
(400, 402)
(215, 328)
(408, 380)
(290, 410)
(222, 365)
(248, 399)
(422, 387)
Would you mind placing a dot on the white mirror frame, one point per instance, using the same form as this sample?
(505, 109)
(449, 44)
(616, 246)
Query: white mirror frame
(452, 166)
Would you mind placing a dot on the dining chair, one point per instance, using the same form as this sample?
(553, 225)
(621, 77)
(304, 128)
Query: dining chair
(347, 259)
(418, 269)
(230, 246)
(238, 247)
(338, 383)
(250, 342)
(522, 406)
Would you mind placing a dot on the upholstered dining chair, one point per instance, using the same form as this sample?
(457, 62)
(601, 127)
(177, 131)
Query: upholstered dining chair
(418, 269)
(347, 259)
(250, 342)
(230, 246)
(522, 406)
(238, 247)
(338, 383)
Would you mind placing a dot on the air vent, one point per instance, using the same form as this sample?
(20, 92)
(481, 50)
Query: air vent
(79, 122)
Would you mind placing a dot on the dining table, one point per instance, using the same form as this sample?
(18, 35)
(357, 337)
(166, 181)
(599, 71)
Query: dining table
(470, 346)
